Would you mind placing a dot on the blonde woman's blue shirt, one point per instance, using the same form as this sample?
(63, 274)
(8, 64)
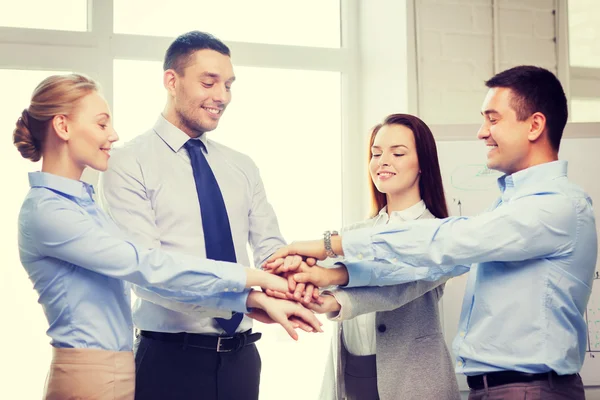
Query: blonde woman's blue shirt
(82, 267)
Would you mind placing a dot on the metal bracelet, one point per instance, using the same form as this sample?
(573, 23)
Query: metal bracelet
(327, 242)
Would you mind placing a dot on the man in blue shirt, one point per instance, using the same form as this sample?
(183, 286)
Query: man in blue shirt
(532, 255)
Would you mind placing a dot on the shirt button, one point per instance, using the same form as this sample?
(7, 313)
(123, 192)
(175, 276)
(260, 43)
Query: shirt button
(462, 334)
(382, 328)
(460, 363)
(226, 290)
(360, 256)
(394, 260)
(234, 290)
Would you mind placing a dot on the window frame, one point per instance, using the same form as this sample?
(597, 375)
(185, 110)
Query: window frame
(579, 82)
(93, 52)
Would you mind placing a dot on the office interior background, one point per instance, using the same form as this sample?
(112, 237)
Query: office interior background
(312, 77)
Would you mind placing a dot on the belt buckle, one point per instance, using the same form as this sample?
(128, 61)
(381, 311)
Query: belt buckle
(219, 338)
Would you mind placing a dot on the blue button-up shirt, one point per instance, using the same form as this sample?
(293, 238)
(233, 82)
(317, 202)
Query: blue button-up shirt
(81, 267)
(535, 255)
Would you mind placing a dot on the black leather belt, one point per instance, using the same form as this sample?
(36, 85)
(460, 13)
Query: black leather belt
(220, 344)
(506, 377)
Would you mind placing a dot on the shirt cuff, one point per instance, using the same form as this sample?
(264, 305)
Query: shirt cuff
(231, 279)
(358, 275)
(234, 301)
(345, 305)
(357, 245)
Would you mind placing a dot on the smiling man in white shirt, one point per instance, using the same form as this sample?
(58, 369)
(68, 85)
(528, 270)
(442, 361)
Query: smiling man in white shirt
(156, 190)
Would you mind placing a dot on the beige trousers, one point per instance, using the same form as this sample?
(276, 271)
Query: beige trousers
(90, 374)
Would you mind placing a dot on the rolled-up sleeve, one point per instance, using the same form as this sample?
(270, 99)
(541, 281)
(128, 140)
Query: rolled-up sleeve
(529, 227)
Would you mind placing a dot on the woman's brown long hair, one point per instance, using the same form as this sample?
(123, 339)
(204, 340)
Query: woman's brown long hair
(430, 181)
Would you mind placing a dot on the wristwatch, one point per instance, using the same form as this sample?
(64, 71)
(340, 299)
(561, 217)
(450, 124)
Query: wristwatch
(327, 241)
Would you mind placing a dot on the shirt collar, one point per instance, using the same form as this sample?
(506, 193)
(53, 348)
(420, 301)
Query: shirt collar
(542, 172)
(174, 137)
(411, 213)
(67, 186)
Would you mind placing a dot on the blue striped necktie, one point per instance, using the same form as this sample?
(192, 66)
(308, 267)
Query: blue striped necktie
(215, 222)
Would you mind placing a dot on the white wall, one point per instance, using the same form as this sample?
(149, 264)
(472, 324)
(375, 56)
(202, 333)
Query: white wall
(462, 43)
(384, 72)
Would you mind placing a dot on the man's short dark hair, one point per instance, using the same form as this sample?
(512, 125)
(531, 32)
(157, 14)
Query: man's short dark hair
(534, 90)
(179, 52)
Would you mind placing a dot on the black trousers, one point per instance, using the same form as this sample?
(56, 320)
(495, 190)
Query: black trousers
(360, 377)
(172, 371)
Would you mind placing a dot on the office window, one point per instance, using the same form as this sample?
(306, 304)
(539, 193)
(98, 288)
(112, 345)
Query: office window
(289, 122)
(286, 114)
(584, 59)
(585, 109)
(23, 334)
(136, 83)
(314, 23)
(62, 15)
(584, 33)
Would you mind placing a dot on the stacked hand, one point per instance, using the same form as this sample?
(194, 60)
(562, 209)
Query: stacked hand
(289, 314)
(296, 265)
(281, 309)
(293, 268)
(293, 287)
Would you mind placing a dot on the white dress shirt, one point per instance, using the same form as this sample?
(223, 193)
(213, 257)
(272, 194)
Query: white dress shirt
(149, 190)
(359, 332)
